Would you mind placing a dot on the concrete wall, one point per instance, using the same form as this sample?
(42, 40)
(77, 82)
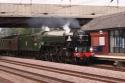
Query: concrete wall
(36, 10)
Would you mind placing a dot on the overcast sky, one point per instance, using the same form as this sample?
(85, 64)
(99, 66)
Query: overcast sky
(76, 2)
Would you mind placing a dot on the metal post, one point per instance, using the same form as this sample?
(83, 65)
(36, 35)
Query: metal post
(31, 6)
(117, 3)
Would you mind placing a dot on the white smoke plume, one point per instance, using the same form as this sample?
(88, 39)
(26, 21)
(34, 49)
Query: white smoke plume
(45, 28)
(53, 22)
(66, 27)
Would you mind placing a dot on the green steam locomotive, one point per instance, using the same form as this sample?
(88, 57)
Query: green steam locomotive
(55, 45)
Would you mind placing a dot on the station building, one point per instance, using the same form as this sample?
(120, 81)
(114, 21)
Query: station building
(107, 34)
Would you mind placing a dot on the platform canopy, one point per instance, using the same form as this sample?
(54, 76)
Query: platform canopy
(106, 22)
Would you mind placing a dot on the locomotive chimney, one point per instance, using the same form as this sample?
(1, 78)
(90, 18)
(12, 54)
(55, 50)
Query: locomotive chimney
(69, 38)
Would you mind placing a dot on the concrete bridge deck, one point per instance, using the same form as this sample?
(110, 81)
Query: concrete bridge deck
(45, 10)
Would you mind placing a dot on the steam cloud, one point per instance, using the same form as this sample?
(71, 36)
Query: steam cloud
(45, 28)
(66, 27)
(53, 22)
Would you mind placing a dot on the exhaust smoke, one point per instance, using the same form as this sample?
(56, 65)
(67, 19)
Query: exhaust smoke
(66, 28)
(53, 22)
(45, 28)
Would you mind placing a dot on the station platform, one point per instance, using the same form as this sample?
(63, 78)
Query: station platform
(111, 57)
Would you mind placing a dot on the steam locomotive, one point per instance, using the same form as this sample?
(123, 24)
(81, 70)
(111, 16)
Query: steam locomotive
(56, 45)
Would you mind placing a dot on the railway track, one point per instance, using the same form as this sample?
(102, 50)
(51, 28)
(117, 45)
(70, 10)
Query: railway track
(32, 71)
(33, 77)
(110, 67)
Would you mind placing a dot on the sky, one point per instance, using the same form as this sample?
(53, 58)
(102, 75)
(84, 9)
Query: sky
(73, 2)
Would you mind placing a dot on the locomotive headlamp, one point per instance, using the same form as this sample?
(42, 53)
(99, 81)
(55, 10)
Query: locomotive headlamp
(91, 49)
(76, 49)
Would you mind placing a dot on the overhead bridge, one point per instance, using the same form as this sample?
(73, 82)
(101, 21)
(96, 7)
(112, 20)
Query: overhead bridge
(17, 15)
(48, 10)
(31, 22)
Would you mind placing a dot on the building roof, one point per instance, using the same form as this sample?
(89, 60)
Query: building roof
(40, 10)
(106, 22)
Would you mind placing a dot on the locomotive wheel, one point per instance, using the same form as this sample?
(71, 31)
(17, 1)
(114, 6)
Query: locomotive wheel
(50, 57)
(60, 59)
(53, 59)
(86, 61)
(92, 59)
(76, 60)
(63, 58)
(42, 56)
(37, 57)
(46, 57)
(56, 58)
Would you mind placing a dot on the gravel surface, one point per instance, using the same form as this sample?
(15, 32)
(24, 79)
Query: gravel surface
(11, 78)
(3, 80)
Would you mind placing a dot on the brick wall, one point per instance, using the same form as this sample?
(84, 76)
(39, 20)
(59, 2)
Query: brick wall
(100, 49)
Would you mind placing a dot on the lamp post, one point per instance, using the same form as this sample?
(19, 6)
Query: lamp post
(101, 33)
(117, 2)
